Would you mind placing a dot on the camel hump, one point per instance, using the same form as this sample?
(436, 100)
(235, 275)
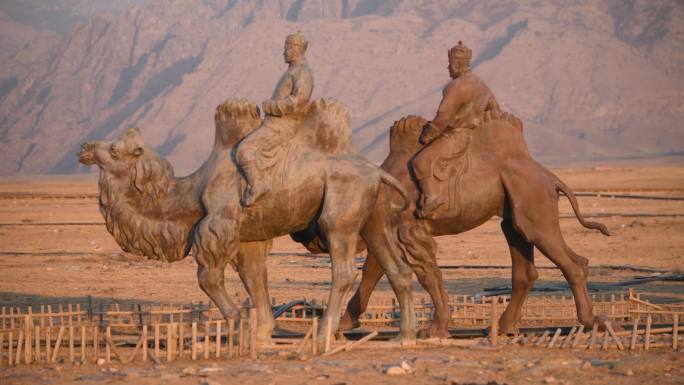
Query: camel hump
(504, 116)
(328, 127)
(234, 119)
(405, 134)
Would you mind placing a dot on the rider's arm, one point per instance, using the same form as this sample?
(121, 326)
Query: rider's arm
(443, 117)
(300, 95)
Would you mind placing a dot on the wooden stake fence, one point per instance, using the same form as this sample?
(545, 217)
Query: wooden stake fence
(166, 333)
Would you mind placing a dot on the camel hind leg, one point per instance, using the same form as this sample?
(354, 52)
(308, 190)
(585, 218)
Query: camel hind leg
(343, 214)
(523, 276)
(574, 268)
(533, 201)
(380, 236)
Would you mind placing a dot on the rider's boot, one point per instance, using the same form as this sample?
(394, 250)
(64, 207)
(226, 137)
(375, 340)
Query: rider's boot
(431, 202)
(255, 187)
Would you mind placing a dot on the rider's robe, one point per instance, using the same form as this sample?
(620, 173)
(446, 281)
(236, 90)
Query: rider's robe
(263, 148)
(451, 141)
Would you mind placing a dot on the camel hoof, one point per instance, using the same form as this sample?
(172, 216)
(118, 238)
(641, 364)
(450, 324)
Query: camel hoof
(601, 320)
(348, 323)
(433, 332)
(507, 331)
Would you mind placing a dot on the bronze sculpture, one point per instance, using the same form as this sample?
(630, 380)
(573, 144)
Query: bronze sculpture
(447, 136)
(501, 179)
(259, 152)
(322, 182)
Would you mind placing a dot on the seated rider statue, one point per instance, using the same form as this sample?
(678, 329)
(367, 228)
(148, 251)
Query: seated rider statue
(264, 147)
(446, 138)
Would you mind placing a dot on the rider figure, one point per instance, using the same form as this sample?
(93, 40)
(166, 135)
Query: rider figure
(446, 138)
(263, 148)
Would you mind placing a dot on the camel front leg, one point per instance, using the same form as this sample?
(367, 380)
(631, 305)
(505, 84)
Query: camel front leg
(213, 253)
(210, 277)
(252, 270)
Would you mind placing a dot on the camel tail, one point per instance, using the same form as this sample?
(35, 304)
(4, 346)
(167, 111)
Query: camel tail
(391, 181)
(562, 187)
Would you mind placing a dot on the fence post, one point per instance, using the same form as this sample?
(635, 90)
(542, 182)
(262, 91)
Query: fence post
(253, 333)
(193, 353)
(675, 331)
(144, 345)
(28, 322)
(494, 331)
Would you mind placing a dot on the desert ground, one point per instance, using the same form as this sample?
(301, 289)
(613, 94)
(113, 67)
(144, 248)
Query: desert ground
(54, 248)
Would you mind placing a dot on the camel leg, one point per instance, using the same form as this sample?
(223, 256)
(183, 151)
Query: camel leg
(524, 274)
(251, 265)
(380, 236)
(372, 272)
(210, 277)
(216, 243)
(342, 250)
(551, 244)
(430, 277)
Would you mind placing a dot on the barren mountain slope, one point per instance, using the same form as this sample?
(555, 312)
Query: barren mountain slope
(590, 80)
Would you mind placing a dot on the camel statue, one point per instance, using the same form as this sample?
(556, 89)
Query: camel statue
(501, 179)
(323, 182)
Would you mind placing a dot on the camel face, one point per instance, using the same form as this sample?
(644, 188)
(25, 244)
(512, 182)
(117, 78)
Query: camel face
(115, 157)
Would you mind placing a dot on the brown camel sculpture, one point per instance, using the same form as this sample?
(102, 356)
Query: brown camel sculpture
(501, 179)
(152, 213)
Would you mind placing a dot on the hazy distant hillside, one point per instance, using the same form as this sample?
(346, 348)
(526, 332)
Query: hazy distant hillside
(591, 80)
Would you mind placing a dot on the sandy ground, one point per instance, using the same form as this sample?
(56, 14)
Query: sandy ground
(55, 249)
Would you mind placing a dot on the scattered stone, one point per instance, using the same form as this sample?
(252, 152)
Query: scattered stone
(629, 373)
(395, 370)
(407, 367)
(549, 380)
(637, 223)
(597, 362)
(204, 372)
(190, 371)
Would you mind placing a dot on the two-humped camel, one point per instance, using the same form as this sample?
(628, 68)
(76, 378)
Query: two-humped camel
(323, 183)
(501, 179)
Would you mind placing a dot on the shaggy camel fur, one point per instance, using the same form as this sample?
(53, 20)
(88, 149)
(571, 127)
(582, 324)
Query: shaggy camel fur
(323, 182)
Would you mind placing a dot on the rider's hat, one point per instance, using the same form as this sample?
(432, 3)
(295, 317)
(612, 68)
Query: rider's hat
(297, 38)
(460, 51)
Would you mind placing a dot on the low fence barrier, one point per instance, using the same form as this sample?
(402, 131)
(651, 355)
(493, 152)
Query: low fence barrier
(70, 333)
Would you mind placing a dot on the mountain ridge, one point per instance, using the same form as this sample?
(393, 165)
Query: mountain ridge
(589, 80)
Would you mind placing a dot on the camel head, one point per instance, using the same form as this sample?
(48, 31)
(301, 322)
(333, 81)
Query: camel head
(135, 198)
(128, 161)
(234, 119)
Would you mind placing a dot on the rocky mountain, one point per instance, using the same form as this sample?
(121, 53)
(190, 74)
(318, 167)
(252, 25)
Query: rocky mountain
(591, 80)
